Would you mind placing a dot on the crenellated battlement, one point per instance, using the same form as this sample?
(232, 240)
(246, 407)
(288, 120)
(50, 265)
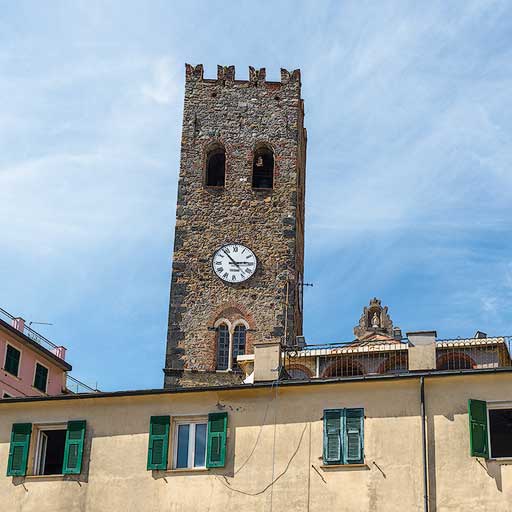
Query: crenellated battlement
(226, 75)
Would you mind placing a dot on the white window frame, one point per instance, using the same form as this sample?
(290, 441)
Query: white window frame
(192, 421)
(495, 404)
(47, 377)
(5, 359)
(41, 428)
(231, 330)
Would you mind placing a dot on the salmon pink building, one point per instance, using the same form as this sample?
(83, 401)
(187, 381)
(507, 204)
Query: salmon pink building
(31, 365)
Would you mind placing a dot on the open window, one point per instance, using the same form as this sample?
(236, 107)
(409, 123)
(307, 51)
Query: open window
(55, 449)
(216, 166)
(263, 168)
(50, 450)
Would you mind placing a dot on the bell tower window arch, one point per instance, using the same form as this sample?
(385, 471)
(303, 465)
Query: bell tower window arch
(231, 339)
(263, 167)
(215, 171)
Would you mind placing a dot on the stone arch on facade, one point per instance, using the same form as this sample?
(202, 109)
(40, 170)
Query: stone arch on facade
(296, 369)
(343, 367)
(234, 317)
(263, 162)
(393, 363)
(455, 360)
(214, 164)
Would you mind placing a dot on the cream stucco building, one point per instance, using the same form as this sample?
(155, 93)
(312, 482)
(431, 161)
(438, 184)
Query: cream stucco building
(396, 441)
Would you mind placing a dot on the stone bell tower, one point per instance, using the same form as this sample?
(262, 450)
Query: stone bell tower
(238, 258)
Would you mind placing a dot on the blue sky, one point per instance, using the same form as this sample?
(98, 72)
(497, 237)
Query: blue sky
(409, 187)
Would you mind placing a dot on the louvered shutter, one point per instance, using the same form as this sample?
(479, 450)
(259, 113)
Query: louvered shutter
(332, 436)
(41, 378)
(158, 442)
(12, 360)
(478, 430)
(354, 436)
(18, 451)
(74, 448)
(216, 440)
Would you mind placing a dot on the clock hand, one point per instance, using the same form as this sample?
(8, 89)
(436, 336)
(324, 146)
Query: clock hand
(236, 263)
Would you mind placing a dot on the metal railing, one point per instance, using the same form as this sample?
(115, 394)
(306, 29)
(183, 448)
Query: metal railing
(352, 359)
(29, 332)
(473, 354)
(349, 359)
(75, 386)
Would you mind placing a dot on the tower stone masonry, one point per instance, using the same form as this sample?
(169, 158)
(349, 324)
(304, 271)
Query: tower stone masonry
(241, 189)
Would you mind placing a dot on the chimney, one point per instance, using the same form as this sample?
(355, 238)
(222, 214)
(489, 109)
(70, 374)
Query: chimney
(422, 350)
(480, 335)
(18, 323)
(267, 361)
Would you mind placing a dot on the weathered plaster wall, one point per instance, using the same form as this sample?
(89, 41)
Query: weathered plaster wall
(239, 114)
(115, 476)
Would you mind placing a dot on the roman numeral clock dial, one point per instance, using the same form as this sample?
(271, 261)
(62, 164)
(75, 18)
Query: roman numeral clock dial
(234, 263)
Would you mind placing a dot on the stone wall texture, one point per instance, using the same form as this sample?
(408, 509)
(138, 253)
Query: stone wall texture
(240, 115)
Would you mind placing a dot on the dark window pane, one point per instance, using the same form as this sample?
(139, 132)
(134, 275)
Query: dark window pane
(200, 447)
(238, 343)
(500, 425)
(54, 453)
(182, 457)
(216, 168)
(263, 168)
(222, 347)
(40, 378)
(12, 360)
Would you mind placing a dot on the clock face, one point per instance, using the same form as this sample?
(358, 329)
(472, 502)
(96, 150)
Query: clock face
(234, 263)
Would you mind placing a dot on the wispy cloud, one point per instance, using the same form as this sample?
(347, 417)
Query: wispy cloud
(409, 157)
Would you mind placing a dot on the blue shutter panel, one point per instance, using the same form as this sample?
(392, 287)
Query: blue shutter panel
(332, 436)
(354, 436)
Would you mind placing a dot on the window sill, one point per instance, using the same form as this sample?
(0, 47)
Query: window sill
(38, 390)
(188, 470)
(60, 476)
(348, 467)
(501, 460)
(11, 374)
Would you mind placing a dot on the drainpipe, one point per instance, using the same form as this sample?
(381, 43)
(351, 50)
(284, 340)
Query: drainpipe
(424, 444)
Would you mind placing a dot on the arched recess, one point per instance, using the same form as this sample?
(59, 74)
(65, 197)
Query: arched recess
(343, 367)
(231, 339)
(299, 372)
(215, 171)
(394, 363)
(263, 167)
(455, 361)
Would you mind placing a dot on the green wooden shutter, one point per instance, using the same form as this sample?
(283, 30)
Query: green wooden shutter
(478, 431)
(216, 442)
(12, 360)
(74, 448)
(40, 378)
(158, 442)
(353, 436)
(332, 436)
(18, 451)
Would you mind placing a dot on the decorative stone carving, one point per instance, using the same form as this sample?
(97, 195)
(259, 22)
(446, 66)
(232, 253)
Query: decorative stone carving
(375, 319)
